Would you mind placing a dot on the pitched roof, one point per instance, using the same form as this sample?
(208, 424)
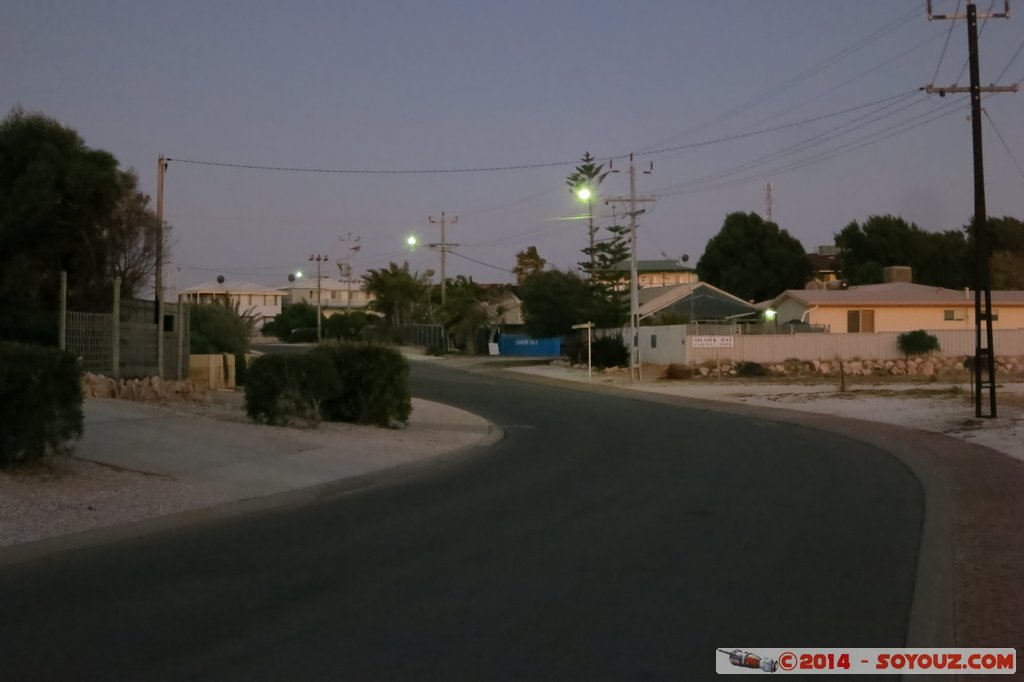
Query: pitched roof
(665, 265)
(894, 294)
(653, 299)
(230, 287)
(326, 284)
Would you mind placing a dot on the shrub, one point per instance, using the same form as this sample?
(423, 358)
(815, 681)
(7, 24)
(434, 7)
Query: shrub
(216, 329)
(608, 351)
(750, 369)
(373, 384)
(292, 317)
(347, 326)
(279, 387)
(40, 402)
(917, 342)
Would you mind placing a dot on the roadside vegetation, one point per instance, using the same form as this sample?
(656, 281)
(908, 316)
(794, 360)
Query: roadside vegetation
(40, 403)
(361, 383)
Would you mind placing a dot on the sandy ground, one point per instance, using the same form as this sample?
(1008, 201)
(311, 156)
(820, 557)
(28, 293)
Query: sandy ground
(941, 407)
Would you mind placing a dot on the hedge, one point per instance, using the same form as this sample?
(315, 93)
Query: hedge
(373, 384)
(335, 382)
(40, 402)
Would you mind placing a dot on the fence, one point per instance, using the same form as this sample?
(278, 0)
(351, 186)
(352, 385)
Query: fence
(91, 337)
(426, 335)
(665, 345)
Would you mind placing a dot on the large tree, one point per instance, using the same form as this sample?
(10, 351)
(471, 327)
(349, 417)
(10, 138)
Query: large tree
(754, 259)
(553, 301)
(65, 207)
(1006, 252)
(55, 192)
(936, 258)
(130, 233)
(583, 184)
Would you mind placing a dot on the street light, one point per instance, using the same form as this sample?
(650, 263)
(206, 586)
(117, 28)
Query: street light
(411, 241)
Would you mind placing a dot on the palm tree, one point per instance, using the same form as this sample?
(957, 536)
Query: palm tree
(397, 291)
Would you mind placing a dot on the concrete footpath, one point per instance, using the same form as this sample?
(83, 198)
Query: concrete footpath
(240, 460)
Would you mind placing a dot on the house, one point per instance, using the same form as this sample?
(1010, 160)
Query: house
(895, 306)
(335, 296)
(657, 273)
(693, 301)
(824, 260)
(261, 302)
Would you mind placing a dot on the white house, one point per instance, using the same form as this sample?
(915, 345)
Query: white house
(261, 302)
(335, 296)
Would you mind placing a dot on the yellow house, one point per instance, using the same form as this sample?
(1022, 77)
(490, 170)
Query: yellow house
(895, 307)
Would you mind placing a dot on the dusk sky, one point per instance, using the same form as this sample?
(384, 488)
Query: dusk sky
(454, 86)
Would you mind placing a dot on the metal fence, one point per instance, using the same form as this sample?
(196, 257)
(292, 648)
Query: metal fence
(91, 336)
(426, 335)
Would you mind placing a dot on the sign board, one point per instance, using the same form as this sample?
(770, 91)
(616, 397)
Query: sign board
(711, 341)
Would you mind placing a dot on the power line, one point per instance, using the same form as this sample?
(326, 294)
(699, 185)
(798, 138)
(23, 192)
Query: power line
(949, 35)
(480, 262)
(484, 169)
(803, 145)
(1012, 60)
(364, 171)
(865, 141)
(1005, 146)
(800, 77)
(762, 131)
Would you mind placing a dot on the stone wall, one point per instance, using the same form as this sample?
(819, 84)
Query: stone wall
(919, 366)
(149, 389)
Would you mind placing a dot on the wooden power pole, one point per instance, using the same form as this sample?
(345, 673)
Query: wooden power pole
(984, 353)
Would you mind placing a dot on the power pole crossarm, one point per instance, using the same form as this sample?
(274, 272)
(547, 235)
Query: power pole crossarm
(942, 90)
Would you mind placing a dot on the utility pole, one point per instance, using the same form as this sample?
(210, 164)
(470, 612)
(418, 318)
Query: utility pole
(768, 201)
(319, 259)
(984, 353)
(443, 246)
(161, 168)
(634, 290)
(346, 268)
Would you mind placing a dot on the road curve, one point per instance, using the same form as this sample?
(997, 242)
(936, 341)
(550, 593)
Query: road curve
(603, 538)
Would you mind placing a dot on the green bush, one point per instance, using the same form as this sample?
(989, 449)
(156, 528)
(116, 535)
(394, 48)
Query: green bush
(216, 329)
(293, 317)
(750, 369)
(917, 342)
(40, 402)
(347, 326)
(280, 387)
(373, 384)
(608, 351)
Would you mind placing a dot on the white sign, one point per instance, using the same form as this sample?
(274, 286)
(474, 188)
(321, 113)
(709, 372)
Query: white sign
(712, 342)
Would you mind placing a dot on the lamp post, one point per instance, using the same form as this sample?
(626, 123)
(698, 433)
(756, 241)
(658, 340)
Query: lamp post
(319, 259)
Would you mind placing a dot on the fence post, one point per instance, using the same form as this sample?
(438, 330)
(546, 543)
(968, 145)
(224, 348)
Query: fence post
(62, 322)
(115, 332)
(181, 336)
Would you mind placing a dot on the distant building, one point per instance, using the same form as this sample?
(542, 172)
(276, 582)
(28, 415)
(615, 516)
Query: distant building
(334, 295)
(657, 273)
(257, 300)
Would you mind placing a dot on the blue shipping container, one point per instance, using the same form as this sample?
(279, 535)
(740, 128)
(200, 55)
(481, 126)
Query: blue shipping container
(524, 346)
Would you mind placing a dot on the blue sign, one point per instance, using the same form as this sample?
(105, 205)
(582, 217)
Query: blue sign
(524, 346)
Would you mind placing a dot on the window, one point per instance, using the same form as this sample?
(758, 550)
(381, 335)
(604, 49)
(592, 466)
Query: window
(860, 321)
(654, 340)
(995, 315)
(955, 314)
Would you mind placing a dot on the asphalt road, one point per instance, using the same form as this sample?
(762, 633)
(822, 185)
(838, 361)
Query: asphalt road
(603, 538)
